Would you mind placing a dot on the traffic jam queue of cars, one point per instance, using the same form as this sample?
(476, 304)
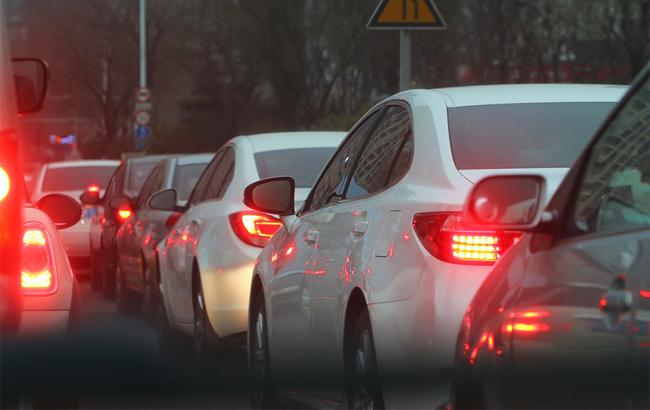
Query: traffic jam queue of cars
(469, 247)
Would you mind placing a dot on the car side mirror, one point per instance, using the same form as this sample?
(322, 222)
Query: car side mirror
(31, 81)
(63, 210)
(506, 202)
(89, 198)
(164, 200)
(272, 195)
(119, 202)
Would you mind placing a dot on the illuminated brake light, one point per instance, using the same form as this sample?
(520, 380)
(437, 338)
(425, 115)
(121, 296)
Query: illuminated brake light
(644, 293)
(527, 322)
(92, 188)
(254, 228)
(447, 238)
(36, 272)
(124, 214)
(5, 184)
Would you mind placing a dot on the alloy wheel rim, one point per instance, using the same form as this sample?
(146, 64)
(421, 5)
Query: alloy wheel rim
(362, 397)
(198, 326)
(259, 358)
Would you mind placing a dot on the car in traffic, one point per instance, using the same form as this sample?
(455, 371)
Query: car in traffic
(563, 320)
(50, 291)
(73, 178)
(116, 207)
(367, 284)
(206, 261)
(23, 85)
(137, 269)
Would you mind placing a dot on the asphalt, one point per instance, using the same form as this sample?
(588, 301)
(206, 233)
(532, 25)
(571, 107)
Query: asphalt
(113, 361)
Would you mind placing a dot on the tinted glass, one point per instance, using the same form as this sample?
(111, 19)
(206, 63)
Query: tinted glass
(615, 192)
(376, 161)
(185, 178)
(222, 176)
(204, 180)
(303, 164)
(76, 178)
(532, 135)
(149, 187)
(331, 183)
(138, 174)
(403, 161)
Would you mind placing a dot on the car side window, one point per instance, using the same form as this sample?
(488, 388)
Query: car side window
(222, 176)
(202, 184)
(614, 194)
(332, 182)
(380, 154)
(147, 188)
(112, 184)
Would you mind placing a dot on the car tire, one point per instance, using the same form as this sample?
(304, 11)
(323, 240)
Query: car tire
(170, 341)
(126, 300)
(361, 375)
(204, 353)
(150, 295)
(263, 394)
(95, 272)
(108, 276)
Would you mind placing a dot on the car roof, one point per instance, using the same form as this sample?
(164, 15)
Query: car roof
(84, 163)
(297, 139)
(194, 159)
(528, 93)
(146, 160)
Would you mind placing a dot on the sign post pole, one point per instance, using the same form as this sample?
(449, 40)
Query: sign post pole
(404, 60)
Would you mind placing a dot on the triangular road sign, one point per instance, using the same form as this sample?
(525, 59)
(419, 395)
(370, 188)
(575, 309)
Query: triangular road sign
(407, 15)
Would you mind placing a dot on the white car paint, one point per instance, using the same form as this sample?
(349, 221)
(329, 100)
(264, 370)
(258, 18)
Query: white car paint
(203, 236)
(49, 313)
(368, 247)
(76, 238)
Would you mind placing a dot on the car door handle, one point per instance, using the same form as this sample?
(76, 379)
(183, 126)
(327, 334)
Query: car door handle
(311, 237)
(616, 301)
(196, 222)
(360, 227)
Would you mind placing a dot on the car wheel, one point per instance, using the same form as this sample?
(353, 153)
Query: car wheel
(108, 277)
(263, 394)
(150, 295)
(170, 341)
(126, 301)
(204, 353)
(95, 272)
(362, 378)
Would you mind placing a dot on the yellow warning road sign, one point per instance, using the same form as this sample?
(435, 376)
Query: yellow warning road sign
(407, 15)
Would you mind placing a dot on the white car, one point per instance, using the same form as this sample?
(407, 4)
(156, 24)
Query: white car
(368, 283)
(73, 178)
(206, 261)
(49, 288)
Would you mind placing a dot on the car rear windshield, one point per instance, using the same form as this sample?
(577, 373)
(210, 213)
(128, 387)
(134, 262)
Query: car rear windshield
(531, 135)
(185, 178)
(76, 178)
(303, 164)
(138, 174)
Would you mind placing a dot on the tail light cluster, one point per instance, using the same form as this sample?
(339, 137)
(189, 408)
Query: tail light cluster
(37, 271)
(254, 228)
(172, 219)
(5, 184)
(447, 238)
(124, 214)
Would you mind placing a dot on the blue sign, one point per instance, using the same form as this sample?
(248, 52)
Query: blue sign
(142, 136)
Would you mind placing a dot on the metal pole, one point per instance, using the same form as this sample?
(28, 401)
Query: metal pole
(404, 60)
(143, 43)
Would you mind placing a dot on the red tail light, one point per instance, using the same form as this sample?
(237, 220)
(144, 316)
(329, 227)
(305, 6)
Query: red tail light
(5, 184)
(92, 188)
(447, 238)
(254, 228)
(36, 274)
(123, 214)
(172, 219)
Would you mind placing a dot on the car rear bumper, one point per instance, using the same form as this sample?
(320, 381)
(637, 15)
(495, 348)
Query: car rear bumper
(42, 322)
(415, 338)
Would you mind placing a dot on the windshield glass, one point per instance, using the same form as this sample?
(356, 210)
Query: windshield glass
(76, 178)
(532, 135)
(303, 164)
(185, 178)
(139, 173)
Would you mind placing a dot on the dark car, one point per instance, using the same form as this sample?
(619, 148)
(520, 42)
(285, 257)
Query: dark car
(563, 319)
(137, 274)
(117, 206)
